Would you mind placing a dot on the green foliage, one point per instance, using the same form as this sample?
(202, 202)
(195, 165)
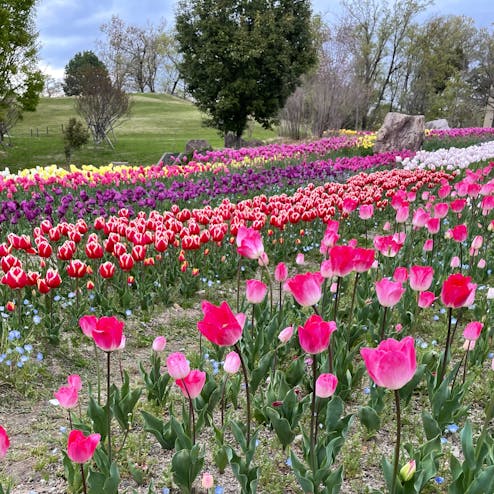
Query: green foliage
(75, 135)
(156, 382)
(186, 465)
(21, 81)
(78, 68)
(242, 59)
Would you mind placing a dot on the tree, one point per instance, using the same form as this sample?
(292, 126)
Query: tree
(20, 80)
(134, 54)
(101, 104)
(243, 58)
(75, 135)
(78, 68)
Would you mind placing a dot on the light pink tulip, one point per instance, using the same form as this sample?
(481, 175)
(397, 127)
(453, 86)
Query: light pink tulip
(389, 292)
(326, 385)
(255, 291)
(232, 363)
(178, 366)
(159, 343)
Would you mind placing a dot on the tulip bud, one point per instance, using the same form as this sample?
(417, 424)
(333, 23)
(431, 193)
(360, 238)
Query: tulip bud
(408, 471)
(286, 334)
(232, 363)
(159, 343)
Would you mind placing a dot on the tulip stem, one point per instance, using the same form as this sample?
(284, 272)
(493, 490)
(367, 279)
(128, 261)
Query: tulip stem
(84, 487)
(398, 438)
(98, 371)
(192, 418)
(223, 403)
(352, 305)
(383, 324)
(440, 377)
(247, 393)
(313, 425)
(108, 414)
(337, 298)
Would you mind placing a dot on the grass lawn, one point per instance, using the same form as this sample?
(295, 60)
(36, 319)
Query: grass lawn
(158, 123)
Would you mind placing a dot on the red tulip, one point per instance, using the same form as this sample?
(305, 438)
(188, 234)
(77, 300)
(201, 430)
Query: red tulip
(80, 448)
(315, 334)
(15, 278)
(108, 333)
(66, 251)
(53, 279)
(44, 249)
(138, 252)
(389, 292)
(220, 325)
(177, 365)
(326, 385)
(43, 286)
(421, 278)
(363, 259)
(9, 261)
(4, 442)
(392, 364)
(76, 268)
(107, 270)
(457, 291)
(255, 291)
(305, 288)
(192, 384)
(94, 250)
(249, 243)
(126, 262)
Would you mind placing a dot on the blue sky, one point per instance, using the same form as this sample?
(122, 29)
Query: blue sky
(70, 26)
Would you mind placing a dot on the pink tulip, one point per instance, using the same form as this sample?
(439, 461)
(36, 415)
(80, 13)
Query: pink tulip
(459, 233)
(481, 264)
(392, 364)
(286, 334)
(472, 330)
(220, 325)
(458, 291)
(108, 333)
(315, 334)
(249, 243)
(67, 396)
(402, 214)
(389, 292)
(178, 366)
(232, 363)
(441, 210)
(300, 259)
(87, 324)
(327, 269)
(426, 299)
(477, 242)
(421, 278)
(159, 344)
(255, 291)
(4, 442)
(366, 211)
(457, 205)
(428, 245)
(341, 258)
(455, 262)
(74, 381)
(281, 272)
(305, 288)
(400, 274)
(363, 259)
(420, 218)
(433, 225)
(80, 448)
(192, 384)
(326, 385)
(207, 481)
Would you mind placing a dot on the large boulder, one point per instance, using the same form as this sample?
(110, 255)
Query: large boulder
(197, 145)
(400, 131)
(439, 124)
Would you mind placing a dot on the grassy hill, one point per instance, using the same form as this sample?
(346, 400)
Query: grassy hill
(157, 123)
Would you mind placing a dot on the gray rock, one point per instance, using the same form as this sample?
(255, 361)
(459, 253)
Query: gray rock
(439, 124)
(197, 145)
(400, 131)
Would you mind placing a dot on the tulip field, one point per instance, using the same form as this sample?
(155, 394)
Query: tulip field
(297, 318)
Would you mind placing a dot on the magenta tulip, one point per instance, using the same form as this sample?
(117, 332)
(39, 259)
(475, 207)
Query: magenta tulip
(281, 272)
(219, 325)
(392, 364)
(192, 384)
(426, 299)
(80, 448)
(177, 365)
(108, 333)
(326, 385)
(67, 396)
(472, 330)
(4, 442)
(457, 291)
(315, 334)
(249, 243)
(305, 288)
(87, 324)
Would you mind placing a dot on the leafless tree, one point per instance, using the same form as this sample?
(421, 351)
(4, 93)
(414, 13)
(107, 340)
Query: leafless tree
(135, 55)
(102, 105)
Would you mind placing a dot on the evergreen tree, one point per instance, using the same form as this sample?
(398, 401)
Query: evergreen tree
(79, 67)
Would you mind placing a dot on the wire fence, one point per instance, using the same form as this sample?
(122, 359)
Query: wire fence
(45, 131)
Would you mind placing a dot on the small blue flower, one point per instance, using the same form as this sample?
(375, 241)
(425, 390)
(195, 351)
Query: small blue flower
(3, 356)
(452, 428)
(71, 295)
(56, 298)
(24, 358)
(19, 350)
(257, 442)
(28, 347)
(219, 490)
(165, 490)
(14, 334)
(424, 344)
(8, 363)
(128, 312)
(439, 480)
(35, 311)
(442, 310)
(63, 429)
(39, 357)
(206, 356)
(288, 462)
(36, 319)
(20, 364)
(92, 309)
(453, 320)
(433, 342)
(490, 355)
(436, 317)
(443, 440)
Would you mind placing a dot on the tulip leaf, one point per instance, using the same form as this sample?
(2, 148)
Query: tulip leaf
(186, 465)
(160, 430)
(281, 427)
(431, 427)
(369, 419)
(98, 415)
(482, 483)
(467, 445)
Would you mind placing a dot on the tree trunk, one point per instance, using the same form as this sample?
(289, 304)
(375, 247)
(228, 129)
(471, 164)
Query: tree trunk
(489, 110)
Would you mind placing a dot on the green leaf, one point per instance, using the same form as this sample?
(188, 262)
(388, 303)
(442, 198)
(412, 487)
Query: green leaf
(281, 427)
(186, 465)
(431, 427)
(483, 483)
(98, 415)
(369, 419)
(467, 445)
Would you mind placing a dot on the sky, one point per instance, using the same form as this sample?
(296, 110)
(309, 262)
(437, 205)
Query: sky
(67, 27)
